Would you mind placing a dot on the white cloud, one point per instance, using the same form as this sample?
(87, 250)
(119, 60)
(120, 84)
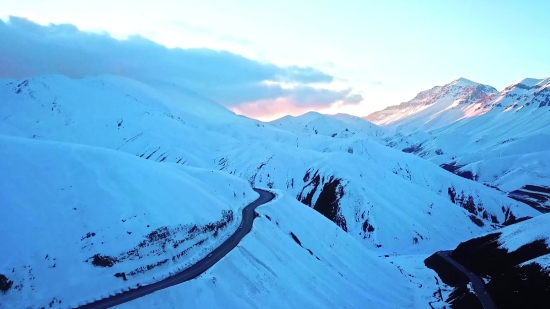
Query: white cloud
(29, 49)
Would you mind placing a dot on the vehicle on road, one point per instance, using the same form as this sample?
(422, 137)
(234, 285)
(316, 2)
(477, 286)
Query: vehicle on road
(210, 255)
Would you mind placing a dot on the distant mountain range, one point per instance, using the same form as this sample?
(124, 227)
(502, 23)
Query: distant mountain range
(462, 98)
(501, 139)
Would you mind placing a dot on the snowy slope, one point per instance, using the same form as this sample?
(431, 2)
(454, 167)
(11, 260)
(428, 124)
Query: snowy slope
(542, 261)
(536, 229)
(384, 198)
(338, 126)
(107, 192)
(506, 145)
(116, 113)
(293, 258)
(66, 208)
(431, 291)
(437, 107)
(387, 199)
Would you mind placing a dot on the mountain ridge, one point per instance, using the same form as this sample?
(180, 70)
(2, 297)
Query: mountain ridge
(502, 141)
(435, 107)
(484, 97)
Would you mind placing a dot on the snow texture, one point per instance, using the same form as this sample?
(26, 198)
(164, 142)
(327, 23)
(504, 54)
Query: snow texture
(62, 204)
(293, 258)
(500, 139)
(145, 179)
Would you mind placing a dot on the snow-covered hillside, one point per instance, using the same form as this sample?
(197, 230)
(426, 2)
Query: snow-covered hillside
(437, 107)
(388, 200)
(338, 126)
(504, 143)
(115, 113)
(294, 258)
(113, 139)
(73, 217)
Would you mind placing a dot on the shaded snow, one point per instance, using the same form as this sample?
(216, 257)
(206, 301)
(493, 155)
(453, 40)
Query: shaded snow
(515, 236)
(328, 270)
(64, 203)
(543, 261)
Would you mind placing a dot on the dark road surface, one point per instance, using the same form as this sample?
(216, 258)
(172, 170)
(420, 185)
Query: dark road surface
(195, 270)
(477, 283)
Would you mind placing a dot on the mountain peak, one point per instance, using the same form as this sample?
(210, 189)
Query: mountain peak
(530, 82)
(427, 108)
(463, 82)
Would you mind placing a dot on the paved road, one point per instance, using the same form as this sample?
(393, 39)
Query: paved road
(477, 283)
(195, 270)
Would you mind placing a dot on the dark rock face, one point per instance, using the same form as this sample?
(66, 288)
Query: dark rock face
(5, 283)
(295, 238)
(459, 171)
(511, 285)
(121, 275)
(306, 198)
(469, 203)
(367, 227)
(461, 297)
(510, 218)
(103, 260)
(328, 202)
(451, 167)
(537, 197)
(526, 286)
(413, 149)
(448, 274)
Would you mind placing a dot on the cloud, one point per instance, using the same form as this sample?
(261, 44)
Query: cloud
(307, 96)
(353, 99)
(29, 49)
(304, 75)
(205, 31)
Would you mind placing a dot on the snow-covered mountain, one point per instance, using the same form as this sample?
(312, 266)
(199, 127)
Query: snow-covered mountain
(503, 141)
(378, 198)
(351, 179)
(338, 126)
(437, 107)
(294, 258)
(514, 262)
(527, 92)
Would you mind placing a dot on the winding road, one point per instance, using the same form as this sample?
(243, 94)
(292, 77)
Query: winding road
(477, 283)
(195, 270)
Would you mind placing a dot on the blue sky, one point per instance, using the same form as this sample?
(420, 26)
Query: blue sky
(381, 51)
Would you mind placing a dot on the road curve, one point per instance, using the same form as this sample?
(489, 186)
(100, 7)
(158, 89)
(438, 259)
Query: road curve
(195, 270)
(477, 283)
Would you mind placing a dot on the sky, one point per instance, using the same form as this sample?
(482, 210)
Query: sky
(265, 59)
